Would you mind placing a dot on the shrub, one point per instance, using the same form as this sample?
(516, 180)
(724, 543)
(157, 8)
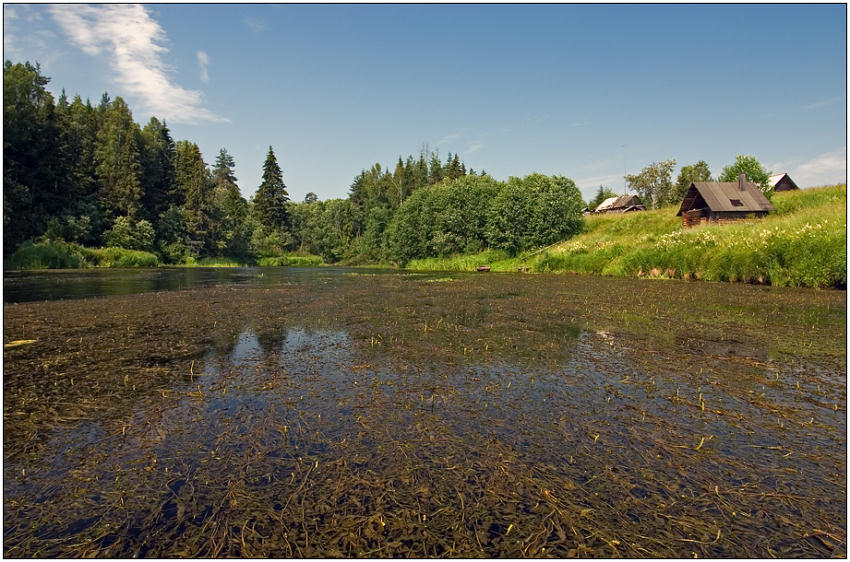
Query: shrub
(44, 255)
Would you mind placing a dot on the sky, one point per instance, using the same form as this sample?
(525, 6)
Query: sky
(591, 92)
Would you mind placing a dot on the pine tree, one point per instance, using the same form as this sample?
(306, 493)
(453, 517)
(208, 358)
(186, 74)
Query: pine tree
(271, 197)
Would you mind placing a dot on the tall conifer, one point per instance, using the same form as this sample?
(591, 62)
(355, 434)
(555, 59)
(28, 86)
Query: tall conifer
(271, 197)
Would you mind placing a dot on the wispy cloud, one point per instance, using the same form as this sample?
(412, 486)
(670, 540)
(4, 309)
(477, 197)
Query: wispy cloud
(35, 44)
(255, 25)
(203, 61)
(132, 41)
(449, 138)
(475, 147)
(824, 169)
(589, 186)
(823, 103)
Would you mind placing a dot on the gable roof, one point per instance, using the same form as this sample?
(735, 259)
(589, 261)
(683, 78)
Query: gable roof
(776, 178)
(718, 196)
(608, 203)
(618, 202)
(625, 201)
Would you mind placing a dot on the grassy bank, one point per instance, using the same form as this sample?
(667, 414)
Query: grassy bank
(802, 244)
(63, 255)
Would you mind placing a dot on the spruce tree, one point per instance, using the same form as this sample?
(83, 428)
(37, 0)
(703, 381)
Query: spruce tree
(117, 158)
(271, 197)
(158, 154)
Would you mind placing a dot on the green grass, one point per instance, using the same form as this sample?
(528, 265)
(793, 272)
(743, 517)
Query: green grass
(802, 244)
(63, 255)
(215, 262)
(292, 260)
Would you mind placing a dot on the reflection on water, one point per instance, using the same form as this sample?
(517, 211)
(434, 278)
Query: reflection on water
(25, 286)
(413, 437)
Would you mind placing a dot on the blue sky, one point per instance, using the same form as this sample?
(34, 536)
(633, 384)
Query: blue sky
(587, 91)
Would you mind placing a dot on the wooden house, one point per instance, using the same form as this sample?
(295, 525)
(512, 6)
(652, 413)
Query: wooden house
(621, 204)
(782, 182)
(719, 202)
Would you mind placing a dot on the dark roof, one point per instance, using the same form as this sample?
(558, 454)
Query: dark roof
(625, 201)
(718, 196)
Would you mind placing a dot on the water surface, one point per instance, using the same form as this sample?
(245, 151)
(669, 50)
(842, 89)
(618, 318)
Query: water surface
(320, 413)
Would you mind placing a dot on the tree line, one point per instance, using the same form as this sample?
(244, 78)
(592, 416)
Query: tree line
(89, 174)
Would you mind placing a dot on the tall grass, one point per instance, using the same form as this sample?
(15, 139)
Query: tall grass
(804, 243)
(64, 255)
(293, 260)
(215, 262)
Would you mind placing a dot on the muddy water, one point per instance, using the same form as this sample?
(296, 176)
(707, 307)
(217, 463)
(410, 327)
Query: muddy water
(352, 414)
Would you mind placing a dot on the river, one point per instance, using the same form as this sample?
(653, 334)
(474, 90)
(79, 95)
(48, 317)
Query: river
(274, 412)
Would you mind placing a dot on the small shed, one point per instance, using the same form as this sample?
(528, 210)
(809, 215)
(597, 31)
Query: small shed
(621, 204)
(719, 202)
(782, 182)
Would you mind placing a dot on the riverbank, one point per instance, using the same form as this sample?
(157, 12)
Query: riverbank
(802, 244)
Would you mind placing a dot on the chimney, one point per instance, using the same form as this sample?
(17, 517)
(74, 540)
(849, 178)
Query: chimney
(742, 181)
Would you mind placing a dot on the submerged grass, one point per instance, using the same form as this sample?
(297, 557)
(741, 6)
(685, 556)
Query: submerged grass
(389, 415)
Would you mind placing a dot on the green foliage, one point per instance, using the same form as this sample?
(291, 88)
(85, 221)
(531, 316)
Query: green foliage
(271, 197)
(44, 255)
(802, 244)
(117, 159)
(752, 169)
(64, 255)
(125, 233)
(32, 169)
(158, 156)
(534, 211)
(442, 220)
(291, 260)
(118, 257)
(654, 183)
(699, 172)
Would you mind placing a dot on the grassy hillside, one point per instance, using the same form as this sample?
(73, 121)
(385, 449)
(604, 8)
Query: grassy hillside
(804, 243)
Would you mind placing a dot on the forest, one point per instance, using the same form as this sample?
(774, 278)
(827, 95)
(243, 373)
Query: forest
(79, 177)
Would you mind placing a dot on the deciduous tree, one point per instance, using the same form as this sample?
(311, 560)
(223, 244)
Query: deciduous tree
(752, 169)
(654, 183)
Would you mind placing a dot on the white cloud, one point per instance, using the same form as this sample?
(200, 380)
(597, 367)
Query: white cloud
(255, 25)
(131, 39)
(824, 169)
(475, 147)
(203, 61)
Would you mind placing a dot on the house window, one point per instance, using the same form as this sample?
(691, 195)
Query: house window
(736, 203)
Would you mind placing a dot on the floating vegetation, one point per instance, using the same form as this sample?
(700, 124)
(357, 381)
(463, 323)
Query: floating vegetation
(495, 416)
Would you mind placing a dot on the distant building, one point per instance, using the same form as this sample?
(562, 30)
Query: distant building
(719, 202)
(782, 182)
(621, 204)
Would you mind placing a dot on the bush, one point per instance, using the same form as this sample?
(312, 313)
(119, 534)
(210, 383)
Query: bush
(63, 255)
(44, 255)
(118, 257)
(127, 234)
